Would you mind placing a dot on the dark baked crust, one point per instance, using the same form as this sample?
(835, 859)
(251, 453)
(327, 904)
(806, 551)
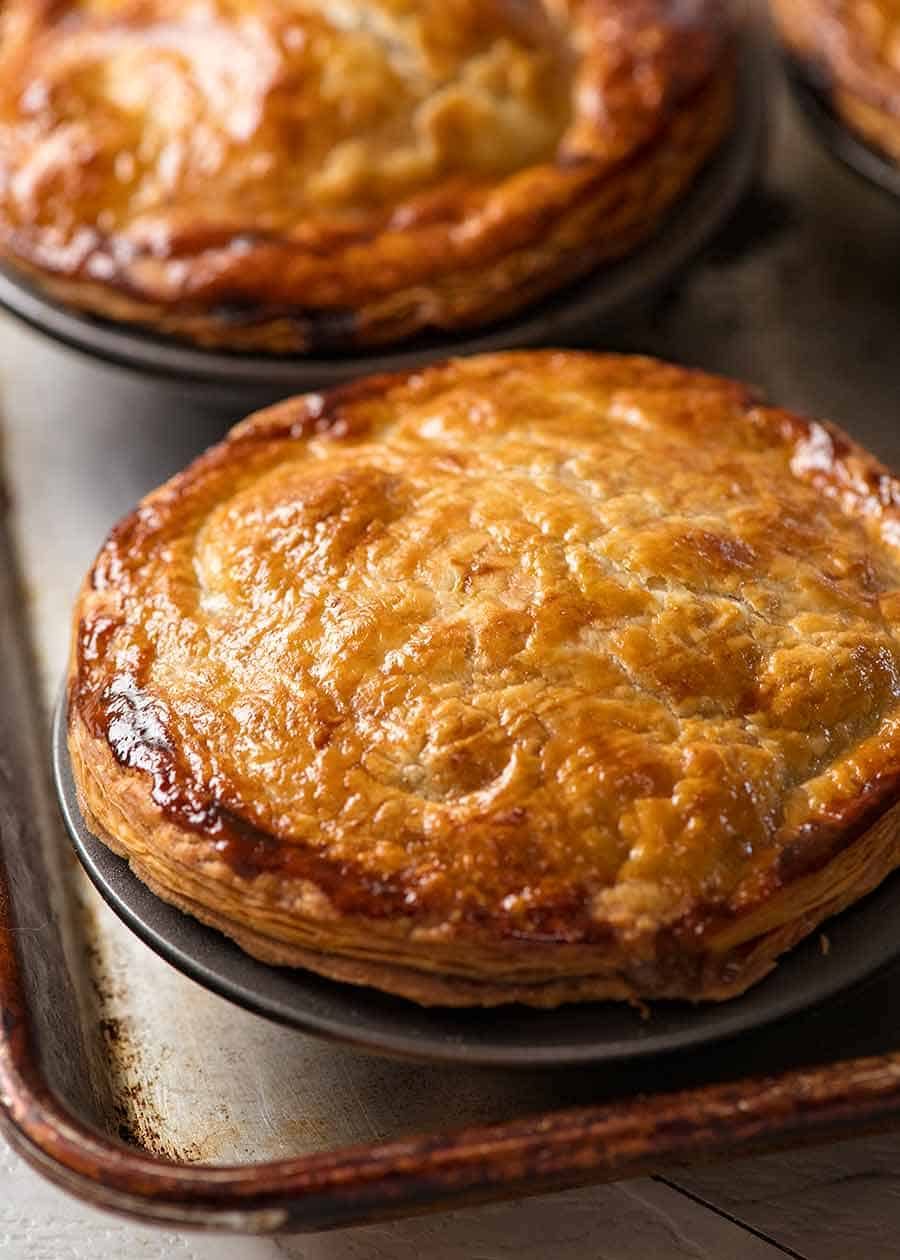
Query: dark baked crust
(150, 167)
(850, 51)
(529, 677)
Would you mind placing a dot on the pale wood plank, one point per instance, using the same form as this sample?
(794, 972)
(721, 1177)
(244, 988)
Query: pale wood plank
(833, 1202)
(642, 1220)
(639, 1220)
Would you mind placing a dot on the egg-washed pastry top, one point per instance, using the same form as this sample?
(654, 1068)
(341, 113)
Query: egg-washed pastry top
(318, 174)
(536, 676)
(850, 49)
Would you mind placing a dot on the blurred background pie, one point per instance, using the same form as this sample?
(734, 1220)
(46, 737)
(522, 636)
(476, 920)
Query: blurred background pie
(849, 50)
(290, 175)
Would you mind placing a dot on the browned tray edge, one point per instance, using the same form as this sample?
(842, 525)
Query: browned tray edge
(363, 1183)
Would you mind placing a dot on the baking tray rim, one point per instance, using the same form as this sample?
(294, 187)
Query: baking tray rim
(353, 1185)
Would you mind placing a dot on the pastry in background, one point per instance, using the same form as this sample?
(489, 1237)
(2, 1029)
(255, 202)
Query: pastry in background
(306, 175)
(849, 51)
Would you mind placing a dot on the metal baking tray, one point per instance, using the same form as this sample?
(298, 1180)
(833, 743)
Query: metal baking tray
(139, 1090)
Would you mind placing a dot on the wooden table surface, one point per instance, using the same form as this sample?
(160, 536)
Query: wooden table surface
(836, 1203)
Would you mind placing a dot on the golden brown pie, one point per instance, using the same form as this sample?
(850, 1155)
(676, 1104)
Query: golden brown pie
(534, 677)
(316, 174)
(851, 50)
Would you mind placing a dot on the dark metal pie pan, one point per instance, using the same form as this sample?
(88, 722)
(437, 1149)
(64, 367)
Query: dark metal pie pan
(838, 138)
(252, 380)
(860, 942)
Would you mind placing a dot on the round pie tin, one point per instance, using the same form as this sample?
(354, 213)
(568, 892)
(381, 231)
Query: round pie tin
(848, 148)
(860, 941)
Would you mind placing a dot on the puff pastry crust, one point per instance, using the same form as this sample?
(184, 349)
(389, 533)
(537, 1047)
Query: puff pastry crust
(533, 677)
(851, 49)
(291, 175)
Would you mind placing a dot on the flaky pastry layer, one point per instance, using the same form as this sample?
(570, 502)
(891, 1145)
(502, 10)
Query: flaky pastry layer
(851, 50)
(320, 174)
(535, 677)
